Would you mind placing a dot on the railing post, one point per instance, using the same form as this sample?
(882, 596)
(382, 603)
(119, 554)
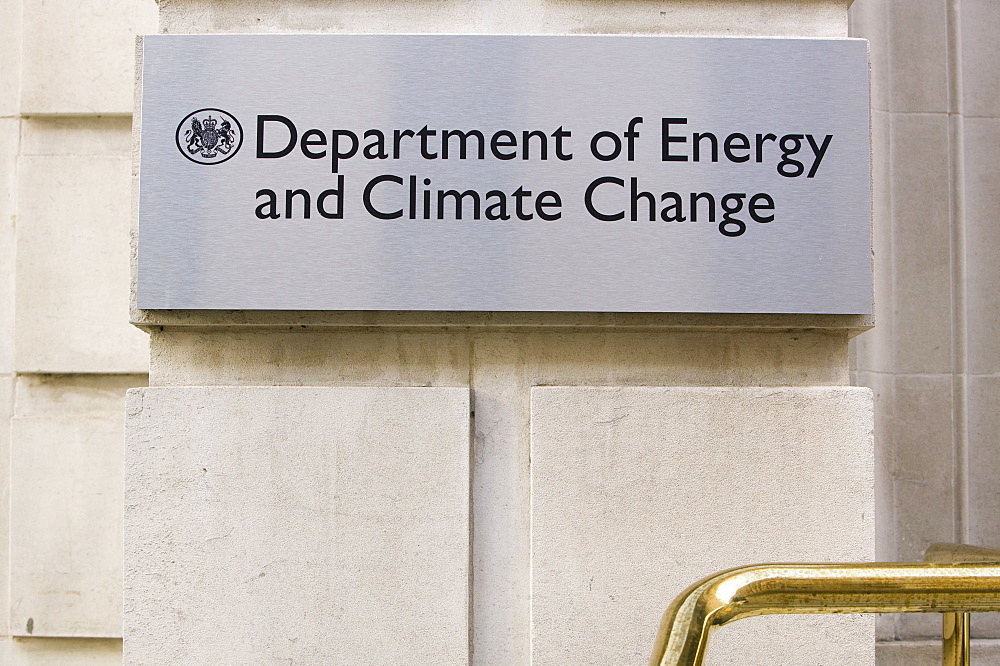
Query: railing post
(956, 632)
(955, 644)
(954, 590)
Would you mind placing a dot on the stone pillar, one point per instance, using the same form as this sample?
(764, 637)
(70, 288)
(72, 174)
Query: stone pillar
(933, 360)
(67, 350)
(486, 488)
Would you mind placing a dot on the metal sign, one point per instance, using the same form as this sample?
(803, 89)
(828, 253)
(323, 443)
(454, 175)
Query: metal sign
(570, 173)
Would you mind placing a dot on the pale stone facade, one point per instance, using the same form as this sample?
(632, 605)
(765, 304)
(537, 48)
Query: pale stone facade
(537, 579)
(67, 352)
(933, 356)
(518, 402)
(353, 527)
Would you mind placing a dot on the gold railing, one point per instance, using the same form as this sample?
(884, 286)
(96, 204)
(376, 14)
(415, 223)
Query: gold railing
(956, 627)
(968, 583)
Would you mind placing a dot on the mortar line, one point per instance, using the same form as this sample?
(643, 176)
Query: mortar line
(471, 598)
(959, 278)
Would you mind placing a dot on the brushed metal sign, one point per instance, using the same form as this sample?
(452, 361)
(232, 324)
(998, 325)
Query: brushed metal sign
(543, 173)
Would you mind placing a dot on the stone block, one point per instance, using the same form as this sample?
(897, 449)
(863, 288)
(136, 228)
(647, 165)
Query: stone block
(10, 56)
(9, 132)
(874, 348)
(503, 364)
(62, 652)
(921, 239)
(637, 493)
(982, 200)
(393, 357)
(6, 411)
(869, 20)
(72, 288)
(297, 524)
(921, 460)
(311, 357)
(66, 505)
(78, 56)
(928, 653)
(67, 136)
(980, 26)
(918, 56)
(882, 386)
(983, 404)
(815, 18)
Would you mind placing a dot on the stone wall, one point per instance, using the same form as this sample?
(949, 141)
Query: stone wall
(67, 351)
(932, 360)
(613, 459)
(67, 354)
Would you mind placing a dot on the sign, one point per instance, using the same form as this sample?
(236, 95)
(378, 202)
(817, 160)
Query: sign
(569, 173)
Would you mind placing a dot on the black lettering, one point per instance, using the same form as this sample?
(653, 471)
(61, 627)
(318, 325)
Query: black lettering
(698, 196)
(675, 211)
(544, 144)
(761, 140)
(310, 138)
(791, 144)
(736, 142)
(427, 200)
(413, 197)
(631, 135)
(501, 205)
(588, 199)
(559, 135)
(366, 197)
(636, 195)
(595, 150)
(732, 204)
(754, 206)
(463, 137)
(335, 153)
(397, 137)
(292, 135)
(423, 134)
(458, 196)
(696, 146)
(269, 209)
(667, 139)
(819, 151)
(519, 195)
(503, 139)
(290, 200)
(541, 204)
(375, 149)
(339, 193)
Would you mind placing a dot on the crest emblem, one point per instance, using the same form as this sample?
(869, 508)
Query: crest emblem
(209, 136)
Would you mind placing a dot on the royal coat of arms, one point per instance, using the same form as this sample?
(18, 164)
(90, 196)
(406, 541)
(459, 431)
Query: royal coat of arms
(209, 137)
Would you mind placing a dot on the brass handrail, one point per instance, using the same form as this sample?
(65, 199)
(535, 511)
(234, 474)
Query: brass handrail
(769, 589)
(956, 628)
